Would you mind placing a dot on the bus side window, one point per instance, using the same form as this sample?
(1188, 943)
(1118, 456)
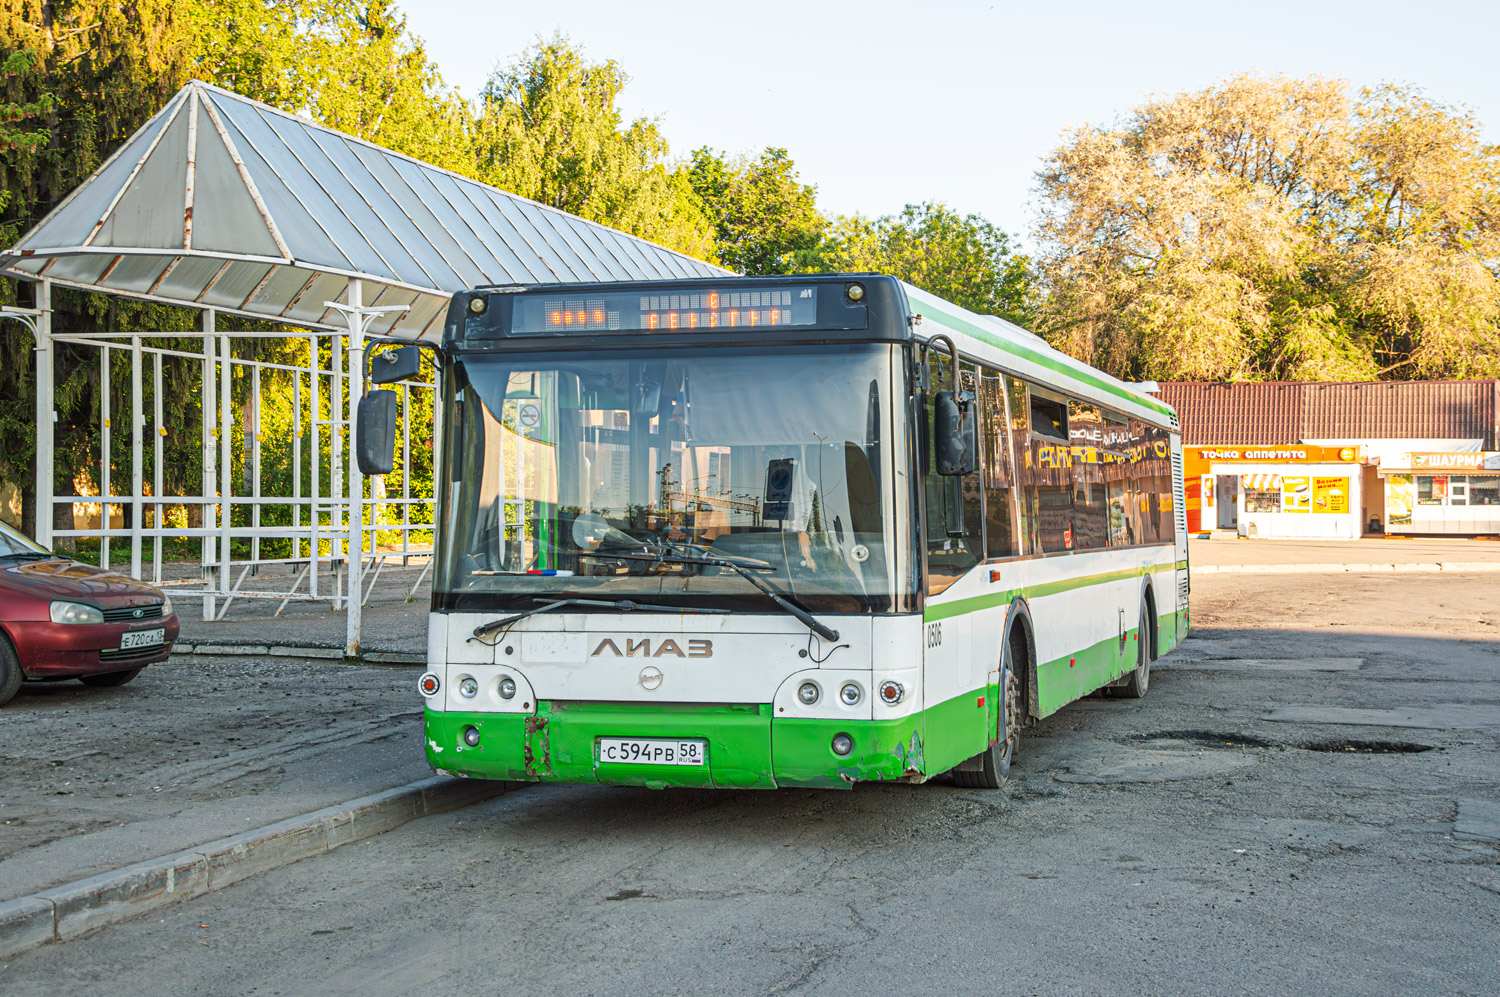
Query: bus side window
(1117, 480)
(1020, 430)
(1052, 475)
(1086, 447)
(999, 479)
(949, 557)
(1150, 483)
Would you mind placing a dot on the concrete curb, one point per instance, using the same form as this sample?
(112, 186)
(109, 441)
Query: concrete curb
(78, 908)
(1452, 567)
(290, 651)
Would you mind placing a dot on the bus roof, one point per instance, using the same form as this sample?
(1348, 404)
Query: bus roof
(988, 337)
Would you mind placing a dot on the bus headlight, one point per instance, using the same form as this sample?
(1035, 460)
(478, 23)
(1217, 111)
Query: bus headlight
(507, 688)
(471, 736)
(842, 744)
(808, 693)
(891, 692)
(468, 688)
(851, 694)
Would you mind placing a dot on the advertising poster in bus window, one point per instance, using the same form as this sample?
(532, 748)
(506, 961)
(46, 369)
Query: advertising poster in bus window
(1331, 495)
(1296, 494)
(1400, 496)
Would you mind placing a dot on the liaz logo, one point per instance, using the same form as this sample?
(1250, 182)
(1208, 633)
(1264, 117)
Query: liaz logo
(643, 649)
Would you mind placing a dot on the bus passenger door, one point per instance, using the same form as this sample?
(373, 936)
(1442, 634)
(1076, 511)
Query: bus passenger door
(954, 671)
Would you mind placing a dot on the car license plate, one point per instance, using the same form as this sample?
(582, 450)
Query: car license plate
(143, 638)
(651, 751)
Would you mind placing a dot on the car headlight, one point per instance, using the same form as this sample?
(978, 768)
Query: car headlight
(76, 612)
(166, 605)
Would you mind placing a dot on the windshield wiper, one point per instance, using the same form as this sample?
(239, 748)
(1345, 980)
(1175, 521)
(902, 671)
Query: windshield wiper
(666, 553)
(38, 554)
(625, 605)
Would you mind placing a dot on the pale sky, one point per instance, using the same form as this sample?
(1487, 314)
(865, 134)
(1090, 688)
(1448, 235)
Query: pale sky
(883, 103)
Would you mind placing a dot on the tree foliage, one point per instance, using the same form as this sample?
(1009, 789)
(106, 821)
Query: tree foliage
(1276, 228)
(549, 129)
(766, 221)
(964, 259)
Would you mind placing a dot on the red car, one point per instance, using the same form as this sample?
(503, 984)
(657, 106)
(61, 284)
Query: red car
(60, 619)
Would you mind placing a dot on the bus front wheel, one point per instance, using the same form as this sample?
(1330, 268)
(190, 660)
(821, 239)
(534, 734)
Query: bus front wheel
(990, 768)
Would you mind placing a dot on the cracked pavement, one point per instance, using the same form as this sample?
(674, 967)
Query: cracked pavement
(1180, 844)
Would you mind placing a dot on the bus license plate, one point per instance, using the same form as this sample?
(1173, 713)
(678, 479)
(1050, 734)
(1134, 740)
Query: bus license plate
(143, 638)
(651, 751)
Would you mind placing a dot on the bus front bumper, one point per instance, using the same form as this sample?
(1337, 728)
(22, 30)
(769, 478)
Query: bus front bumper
(747, 748)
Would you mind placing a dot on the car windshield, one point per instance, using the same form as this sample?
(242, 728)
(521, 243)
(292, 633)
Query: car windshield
(568, 474)
(14, 543)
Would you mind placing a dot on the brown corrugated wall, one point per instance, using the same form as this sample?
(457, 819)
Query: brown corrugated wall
(1274, 412)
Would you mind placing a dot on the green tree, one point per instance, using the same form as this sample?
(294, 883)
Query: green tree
(347, 64)
(80, 77)
(549, 129)
(1276, 228)
(765, 220)
(964, 259)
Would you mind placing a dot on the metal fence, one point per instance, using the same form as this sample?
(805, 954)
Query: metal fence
(304, 523)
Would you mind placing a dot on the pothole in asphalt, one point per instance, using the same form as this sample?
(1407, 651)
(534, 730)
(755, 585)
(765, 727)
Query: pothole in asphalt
(1268, 664)
(1219, 739)
(1367, 747)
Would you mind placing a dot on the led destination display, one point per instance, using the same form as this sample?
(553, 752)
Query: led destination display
(632, 311)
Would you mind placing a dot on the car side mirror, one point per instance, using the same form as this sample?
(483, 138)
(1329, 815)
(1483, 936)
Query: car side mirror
(390, 366)
(375, 433)
(955, 415)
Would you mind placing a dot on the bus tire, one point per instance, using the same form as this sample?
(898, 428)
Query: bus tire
(1138, 681)
(993, 763)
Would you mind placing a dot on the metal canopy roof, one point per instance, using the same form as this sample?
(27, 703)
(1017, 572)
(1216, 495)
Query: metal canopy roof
(222, 202)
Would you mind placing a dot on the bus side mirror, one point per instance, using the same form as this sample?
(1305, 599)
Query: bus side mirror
(391, 366)
(375, 433)
(955, 416)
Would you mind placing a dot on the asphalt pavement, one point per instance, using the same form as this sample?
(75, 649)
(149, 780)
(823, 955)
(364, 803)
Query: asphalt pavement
(1306, 802)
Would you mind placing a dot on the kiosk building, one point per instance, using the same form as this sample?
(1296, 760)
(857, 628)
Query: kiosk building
(1335, 461)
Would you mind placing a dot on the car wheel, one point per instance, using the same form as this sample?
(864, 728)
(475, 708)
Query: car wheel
(110, 678)
(10, 671)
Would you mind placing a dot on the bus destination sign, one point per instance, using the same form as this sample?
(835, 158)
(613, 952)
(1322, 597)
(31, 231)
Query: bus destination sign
(633, 311)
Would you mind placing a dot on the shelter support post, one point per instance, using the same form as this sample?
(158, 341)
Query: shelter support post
(359, 318)
(209, 475)
(137, 469)
(39, 321)
(226, 464)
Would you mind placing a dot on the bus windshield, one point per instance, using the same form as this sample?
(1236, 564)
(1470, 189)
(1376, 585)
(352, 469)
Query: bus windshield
(566, 472)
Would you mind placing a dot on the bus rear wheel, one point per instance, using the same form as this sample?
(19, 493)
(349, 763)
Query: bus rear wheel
(1139, 681)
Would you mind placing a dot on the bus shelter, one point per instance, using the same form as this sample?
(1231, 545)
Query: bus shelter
(240, 211)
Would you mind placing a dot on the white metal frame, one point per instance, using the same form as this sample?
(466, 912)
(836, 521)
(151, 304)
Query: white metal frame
(343, 505)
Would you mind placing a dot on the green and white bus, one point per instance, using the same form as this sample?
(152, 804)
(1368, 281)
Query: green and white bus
(762, 532)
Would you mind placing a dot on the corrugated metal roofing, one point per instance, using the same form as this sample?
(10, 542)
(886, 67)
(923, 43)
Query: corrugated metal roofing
(1280, 412)
(220, 201)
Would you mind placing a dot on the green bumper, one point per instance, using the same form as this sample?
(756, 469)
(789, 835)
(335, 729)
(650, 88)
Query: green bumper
(747, 747)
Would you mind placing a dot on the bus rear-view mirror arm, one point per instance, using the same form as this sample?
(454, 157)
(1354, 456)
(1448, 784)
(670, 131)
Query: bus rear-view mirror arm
(955, 418)
(375, 417)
